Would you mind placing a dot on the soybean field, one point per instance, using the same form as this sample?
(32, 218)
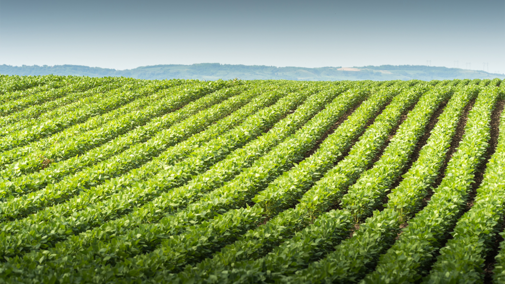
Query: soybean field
(120, 180)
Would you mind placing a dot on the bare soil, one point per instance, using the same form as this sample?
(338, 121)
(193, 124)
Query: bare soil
(493, 142)
(495, 119)
(495, 132)
(420, 144)
(336, 205)
(393, 133)
(460, 131)
(332, 129)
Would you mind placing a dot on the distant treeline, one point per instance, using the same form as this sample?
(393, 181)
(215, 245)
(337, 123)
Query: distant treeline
(214, 71)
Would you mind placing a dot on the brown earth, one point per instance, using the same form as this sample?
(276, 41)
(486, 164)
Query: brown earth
(495, 131)
(460, 131)
(332, 129)
(495, 118)
(420, 144)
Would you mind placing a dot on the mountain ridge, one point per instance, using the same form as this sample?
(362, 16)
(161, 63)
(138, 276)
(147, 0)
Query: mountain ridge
(214, 71)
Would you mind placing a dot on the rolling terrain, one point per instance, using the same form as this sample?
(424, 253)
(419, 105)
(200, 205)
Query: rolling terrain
(216, 71)
(127, 180)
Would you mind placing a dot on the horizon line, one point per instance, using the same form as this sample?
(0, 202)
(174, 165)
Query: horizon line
(224, 64)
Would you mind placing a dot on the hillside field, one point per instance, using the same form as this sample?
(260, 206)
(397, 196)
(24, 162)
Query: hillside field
(122, 180)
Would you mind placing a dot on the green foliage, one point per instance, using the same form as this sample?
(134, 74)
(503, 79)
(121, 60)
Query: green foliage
(139, 125)
(408, 259)
(184, 181)
(355, 256)
(462, 259)
(52, 109)
(257, 242)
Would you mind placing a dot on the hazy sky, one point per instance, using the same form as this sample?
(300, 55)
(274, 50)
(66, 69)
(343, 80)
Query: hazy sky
(126, 34)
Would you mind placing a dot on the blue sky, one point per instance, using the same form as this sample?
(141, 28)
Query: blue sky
(127, 34)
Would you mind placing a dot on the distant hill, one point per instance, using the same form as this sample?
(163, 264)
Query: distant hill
(214, 71)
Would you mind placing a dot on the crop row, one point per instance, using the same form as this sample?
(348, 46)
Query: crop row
(18, 83)
(24, 136)
(86, 210)
(497, 173)
(232, 223)
(301, 213)
(38, 113)
(462, 259)
(112, 138)
(343, 134)
(164, 136)
(35, 149)
(117, 165)
(249, 179)
(14, 105)
(408, 259)
(354, 256)
(252, 127)
(11, 156)
(256, 242)
(12, 159)
(54, 83)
